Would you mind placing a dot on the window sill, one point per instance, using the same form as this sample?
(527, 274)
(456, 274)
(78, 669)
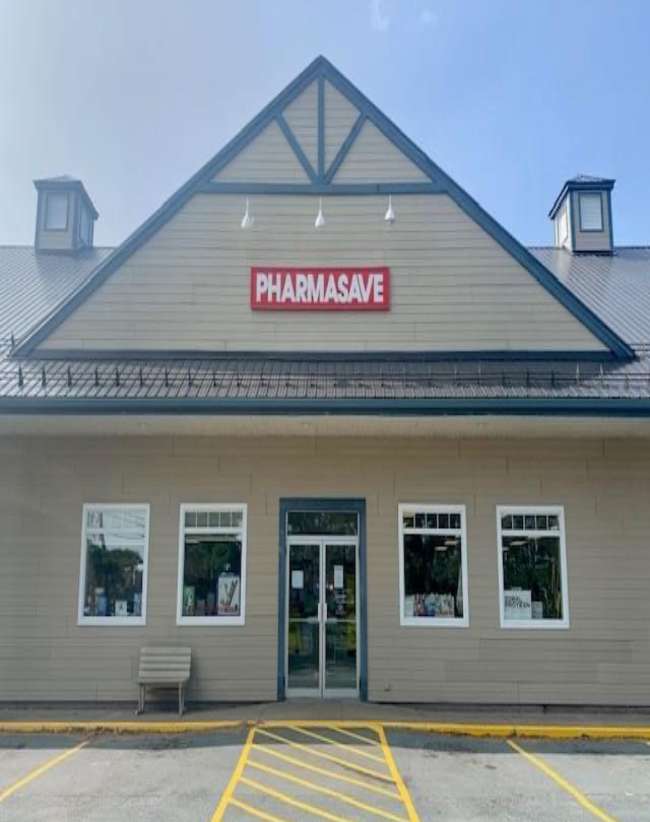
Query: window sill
(434, 622)
(213, 621)
(537, 625)
(111, 621)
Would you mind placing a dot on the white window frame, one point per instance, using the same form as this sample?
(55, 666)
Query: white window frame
(211, 507)
(115, 621)
(563, 225)
(48, 196)
(439, 622)
(548, 510)
(593, 195)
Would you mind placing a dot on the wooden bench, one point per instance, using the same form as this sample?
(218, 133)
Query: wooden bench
(164, 667)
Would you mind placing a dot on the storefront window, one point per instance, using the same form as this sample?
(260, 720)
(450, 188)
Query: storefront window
(433, 565)
(532, 568)
(113, 578)
(212, 569)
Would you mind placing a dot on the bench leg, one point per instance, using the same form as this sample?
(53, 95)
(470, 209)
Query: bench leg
(141, 696)
(181, 700)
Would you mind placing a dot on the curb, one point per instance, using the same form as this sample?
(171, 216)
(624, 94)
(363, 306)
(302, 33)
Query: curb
(117, 726)
(499, 731)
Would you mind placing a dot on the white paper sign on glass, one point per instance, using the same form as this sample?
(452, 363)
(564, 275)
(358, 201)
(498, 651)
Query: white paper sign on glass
(517, 605)
(297, 579)
(338, 576)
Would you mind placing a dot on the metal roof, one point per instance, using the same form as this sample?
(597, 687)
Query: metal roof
(615, 286)
(33, 283)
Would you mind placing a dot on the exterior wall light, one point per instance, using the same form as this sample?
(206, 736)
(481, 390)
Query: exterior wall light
(247, 220)
(320, 219)
(389, 216)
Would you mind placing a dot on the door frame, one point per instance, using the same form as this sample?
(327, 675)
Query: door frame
(323, 542)
(338, 504)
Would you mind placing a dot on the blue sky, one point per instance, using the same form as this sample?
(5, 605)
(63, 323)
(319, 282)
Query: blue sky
(510, 98)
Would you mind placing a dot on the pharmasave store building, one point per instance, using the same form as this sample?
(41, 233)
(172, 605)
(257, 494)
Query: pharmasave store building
(322, 419)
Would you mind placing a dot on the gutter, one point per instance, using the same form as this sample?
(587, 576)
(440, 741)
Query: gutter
(587, 407)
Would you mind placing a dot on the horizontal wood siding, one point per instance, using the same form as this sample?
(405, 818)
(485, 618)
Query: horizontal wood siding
(267, 159)
(302, 117)
(604, 657)
(340, 116)
(453, 287)
(373, 158)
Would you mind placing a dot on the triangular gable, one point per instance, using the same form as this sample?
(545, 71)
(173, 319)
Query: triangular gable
(267, 159)
(373, 157)
(302, 118)
(340, 117)
(235, 169)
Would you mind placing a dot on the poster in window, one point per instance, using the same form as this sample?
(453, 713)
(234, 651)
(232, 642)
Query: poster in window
(338, 576)
(297, 579)
(517, 605)
(228, 593)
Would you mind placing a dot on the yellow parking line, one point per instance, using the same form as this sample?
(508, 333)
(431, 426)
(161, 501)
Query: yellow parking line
(256, 811)
(343, 797)
(34, 774)
(576, 793)
(353, 735)
(330, 757)
(401, 787)
(226, 796)
(289, 800)
(268, 749)
(346, 748)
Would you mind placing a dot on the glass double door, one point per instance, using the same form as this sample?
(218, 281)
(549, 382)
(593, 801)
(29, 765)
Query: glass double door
(322, 616)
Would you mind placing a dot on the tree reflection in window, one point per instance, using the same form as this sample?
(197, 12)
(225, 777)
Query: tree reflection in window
(115, 556)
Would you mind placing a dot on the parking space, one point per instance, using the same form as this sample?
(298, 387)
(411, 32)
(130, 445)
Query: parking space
(339, 771)
(157, 777)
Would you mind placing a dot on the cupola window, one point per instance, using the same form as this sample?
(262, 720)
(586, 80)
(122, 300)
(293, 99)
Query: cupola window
(591, 212)
(56, 211)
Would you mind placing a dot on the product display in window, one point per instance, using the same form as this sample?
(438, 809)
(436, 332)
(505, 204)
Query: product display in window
(531, 556)
(212, 575)
(432, 554)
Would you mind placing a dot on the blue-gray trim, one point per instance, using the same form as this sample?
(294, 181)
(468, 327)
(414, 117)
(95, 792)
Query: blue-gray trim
(319, 189)
(322, 68)
(580, 185)
(83, 354)
(346, 145)
(511, 406)
(358, 506)
(321, 127)
(296, 148)
(584, 230)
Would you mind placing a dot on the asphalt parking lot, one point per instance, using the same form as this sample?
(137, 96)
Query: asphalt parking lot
(303, 771)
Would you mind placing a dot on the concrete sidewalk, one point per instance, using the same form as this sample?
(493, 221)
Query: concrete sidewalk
(306, 710)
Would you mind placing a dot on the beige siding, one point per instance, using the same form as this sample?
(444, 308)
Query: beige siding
(374, 159)
(267, 159)
(591, 240)
(302, 117)
(453, 286)
(604, 657)
(340, 116)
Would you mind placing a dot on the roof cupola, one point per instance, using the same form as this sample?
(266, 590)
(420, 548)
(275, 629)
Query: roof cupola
(582, 215)
(65, 215)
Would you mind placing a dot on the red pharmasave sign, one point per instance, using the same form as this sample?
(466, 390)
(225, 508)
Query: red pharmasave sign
(320, 289)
